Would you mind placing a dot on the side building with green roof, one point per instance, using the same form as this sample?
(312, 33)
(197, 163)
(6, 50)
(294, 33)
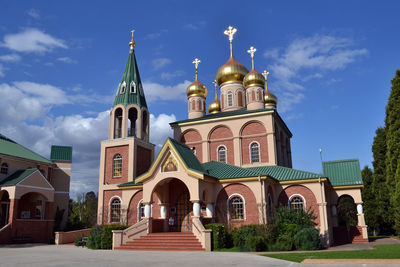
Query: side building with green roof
(34, 191)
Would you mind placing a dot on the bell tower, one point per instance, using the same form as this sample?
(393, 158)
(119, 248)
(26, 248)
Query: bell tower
(127, 153)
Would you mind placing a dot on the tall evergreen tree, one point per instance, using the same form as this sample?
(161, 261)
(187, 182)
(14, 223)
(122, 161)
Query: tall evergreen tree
(392, 125)
(368, 197)
(384, 211)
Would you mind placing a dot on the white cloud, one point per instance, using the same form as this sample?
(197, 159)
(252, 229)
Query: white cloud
(156, 91)
(305, 59)
(10, 58)
(171, 75)
(160, 129)
(1, 71)
(194, 26)
(32, 40)
(33, 13)
(159, 63)
(67, 60)
(45, 93)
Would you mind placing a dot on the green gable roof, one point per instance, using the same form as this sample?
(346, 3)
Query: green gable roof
(61, 153)
(343, 172)
(224, 114)
(17, 177)
(222, 171)
(284, 174)
(130, 78)
(11, 148)
(187, 156)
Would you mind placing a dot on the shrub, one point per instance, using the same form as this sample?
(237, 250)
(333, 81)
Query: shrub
(308, 239)
(301, 218)
(256, 243)
(220, 236)
(100, 237)
(284, 242)
(289, 229)
(240, 235)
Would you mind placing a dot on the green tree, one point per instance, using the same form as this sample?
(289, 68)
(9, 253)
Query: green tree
(83, 211)
(392, 125)
(368, 197)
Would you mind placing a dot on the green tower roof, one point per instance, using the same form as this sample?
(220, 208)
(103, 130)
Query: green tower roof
(130, 90)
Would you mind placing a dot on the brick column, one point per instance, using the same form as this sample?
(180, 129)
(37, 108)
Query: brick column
(13, 210)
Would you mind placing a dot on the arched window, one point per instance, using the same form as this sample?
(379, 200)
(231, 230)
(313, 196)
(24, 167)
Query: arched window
(222, 154)
(115, 210)
(117, 166)
(236, 208)
(230, 99)
(254, 152)
(193, 105)
(140, 210)
(253, 95)
(297, 203)
(144, 122)
(4, 168)
(132, 87)
(240, 99)
(123, 87)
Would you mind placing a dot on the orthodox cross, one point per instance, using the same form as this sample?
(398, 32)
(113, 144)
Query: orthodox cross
(230, 32)
(265, 74)
(132, 43)
(196, 63)
(215, 85)
(251, 51)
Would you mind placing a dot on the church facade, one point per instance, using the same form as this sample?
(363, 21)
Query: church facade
(232, 165)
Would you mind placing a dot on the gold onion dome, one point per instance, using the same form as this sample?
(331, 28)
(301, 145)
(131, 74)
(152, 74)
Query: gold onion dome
(253, 78)
(269, 98)
(196, 88)
(232, 71)
(215, 106)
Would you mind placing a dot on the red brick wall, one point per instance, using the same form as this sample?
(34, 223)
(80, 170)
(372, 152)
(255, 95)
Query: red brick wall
(251, 209)
(219, 133)
(193, 136)
(143, 160)
(110, 153)
(311, 201)
(252, 129)
(106, 200)
(37, 231)
(132, 209)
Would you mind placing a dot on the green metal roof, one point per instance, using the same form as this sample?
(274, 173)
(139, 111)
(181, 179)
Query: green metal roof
(284, 174)
(223, 114)
(131, 75)
(130, 183)
(222, 170)
(187, 156)
(343, 172)
(17, 177)
(61, 153)
(12, 148)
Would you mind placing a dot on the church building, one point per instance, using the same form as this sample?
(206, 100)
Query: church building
(232, 165)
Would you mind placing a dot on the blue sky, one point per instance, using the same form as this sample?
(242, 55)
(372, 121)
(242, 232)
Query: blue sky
(330, 65)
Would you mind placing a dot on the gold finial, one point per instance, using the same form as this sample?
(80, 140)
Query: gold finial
(251, 51)
(196, 63)
(132, 43)
(265, 74)
(215, 86)
(230, 32)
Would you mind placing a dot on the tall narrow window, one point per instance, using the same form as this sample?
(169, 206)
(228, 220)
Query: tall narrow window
(222, 154)
(236, 208)
(296, 204)
(115, 210)
(123, 87)
(132, 88)
(230, 99)
(141, 211)
(4, 168)
(240, 98)
(117, 166)
(254, 153)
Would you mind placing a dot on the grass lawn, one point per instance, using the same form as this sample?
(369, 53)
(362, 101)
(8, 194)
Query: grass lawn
(381, 252)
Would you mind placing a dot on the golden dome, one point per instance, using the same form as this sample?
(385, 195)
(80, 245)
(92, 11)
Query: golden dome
(253, 78)
(196, 88)
(214, 106)
(270, 99)
(231, 72)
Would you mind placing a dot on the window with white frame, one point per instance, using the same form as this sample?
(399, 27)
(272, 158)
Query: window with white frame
(132, 87)
(297, 203)
(115, 210)
(222, 154)
(117, 166)
(4, 168)
(123, 87)
(230, 99)
(236, 208)
(255, 152)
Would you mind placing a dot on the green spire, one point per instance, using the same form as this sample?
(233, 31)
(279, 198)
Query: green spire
(130, 90)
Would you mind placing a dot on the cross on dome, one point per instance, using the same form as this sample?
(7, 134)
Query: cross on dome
(265, 74)
(215, 87)
(251, 51)
(132, 43)
(230, 32)
(196, 63)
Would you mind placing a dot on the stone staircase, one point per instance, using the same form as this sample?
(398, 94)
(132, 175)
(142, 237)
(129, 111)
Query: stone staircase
(170, 241)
